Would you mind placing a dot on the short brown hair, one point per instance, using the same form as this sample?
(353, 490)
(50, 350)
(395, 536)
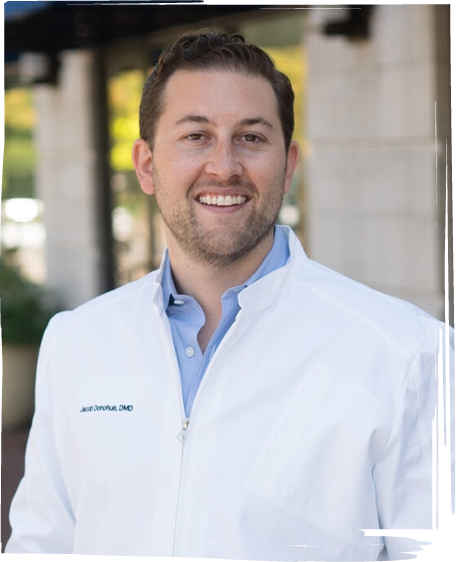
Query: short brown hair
(207, 50)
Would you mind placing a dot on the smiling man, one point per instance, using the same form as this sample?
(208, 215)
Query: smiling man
(242, 401)
(219, 168)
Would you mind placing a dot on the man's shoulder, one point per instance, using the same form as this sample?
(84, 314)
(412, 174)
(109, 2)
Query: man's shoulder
(107, 308)
(346, 302)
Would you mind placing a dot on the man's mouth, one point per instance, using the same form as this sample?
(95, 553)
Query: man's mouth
(222, 200)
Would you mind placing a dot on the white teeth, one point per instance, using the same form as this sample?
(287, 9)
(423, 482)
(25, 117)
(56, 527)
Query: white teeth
(222, 201)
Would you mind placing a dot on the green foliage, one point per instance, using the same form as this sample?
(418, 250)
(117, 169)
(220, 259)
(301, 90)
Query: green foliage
(124, 93)
(19, 153)
(290, 60)
(26, 307)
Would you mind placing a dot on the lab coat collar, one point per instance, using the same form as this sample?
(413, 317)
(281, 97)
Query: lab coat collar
(260, 294)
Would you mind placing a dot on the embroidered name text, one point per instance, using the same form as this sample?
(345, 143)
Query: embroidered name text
(106, 408)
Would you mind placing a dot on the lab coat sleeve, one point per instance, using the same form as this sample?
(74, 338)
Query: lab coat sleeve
(403, 473)
(41, 516)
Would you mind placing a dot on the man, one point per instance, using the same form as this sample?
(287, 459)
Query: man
(242, 401)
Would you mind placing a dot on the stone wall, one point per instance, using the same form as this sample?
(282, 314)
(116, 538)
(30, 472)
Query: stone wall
(374, 203)
(66, 178)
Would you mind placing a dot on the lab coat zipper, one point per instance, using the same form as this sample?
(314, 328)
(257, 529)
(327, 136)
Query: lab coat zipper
(183, 433)
(181, 437)
(185, 421)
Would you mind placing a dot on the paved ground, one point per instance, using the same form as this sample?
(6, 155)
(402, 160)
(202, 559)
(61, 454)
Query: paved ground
(13, 448)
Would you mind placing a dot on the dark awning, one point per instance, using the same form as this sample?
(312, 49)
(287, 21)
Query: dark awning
(49, 27)
(18, 10)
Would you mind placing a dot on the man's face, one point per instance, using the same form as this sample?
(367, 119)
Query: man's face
(219, 164)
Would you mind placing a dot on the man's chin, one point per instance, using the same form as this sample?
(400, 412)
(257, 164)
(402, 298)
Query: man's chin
(222, 250)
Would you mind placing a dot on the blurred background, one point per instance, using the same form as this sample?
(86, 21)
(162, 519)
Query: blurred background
(373, 119)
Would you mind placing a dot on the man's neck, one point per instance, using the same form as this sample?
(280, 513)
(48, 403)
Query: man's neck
(207, 283)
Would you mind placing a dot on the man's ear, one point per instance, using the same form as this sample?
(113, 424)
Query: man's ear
(292, 162)
(142, 161)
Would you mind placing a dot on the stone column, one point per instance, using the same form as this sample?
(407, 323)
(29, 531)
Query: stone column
(372, 165)
(66, 180)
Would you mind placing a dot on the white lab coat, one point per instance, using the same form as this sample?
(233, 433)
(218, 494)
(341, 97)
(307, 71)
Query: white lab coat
(313, 421)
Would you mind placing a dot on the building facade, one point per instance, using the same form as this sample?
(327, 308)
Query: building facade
(374, 126)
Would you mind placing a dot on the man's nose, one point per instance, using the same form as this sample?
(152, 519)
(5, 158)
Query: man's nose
(224, 161)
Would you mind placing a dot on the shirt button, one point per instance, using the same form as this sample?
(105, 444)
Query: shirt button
(189, 351)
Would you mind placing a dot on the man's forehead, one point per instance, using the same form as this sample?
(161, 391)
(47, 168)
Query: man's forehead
(197, 87)
(214, 75)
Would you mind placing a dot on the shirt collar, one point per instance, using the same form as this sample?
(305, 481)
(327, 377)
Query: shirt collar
(277, 257)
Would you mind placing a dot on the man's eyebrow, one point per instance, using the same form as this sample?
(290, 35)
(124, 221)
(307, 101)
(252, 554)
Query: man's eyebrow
(255, 121)
(194, 119)
(248, 121)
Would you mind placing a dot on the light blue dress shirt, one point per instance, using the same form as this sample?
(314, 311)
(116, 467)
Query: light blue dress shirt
(186, 318)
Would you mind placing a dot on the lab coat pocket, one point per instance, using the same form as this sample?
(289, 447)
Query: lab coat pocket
(316, 465)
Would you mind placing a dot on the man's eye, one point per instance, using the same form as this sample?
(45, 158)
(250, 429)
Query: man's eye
(195, 136)
(250, 137)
